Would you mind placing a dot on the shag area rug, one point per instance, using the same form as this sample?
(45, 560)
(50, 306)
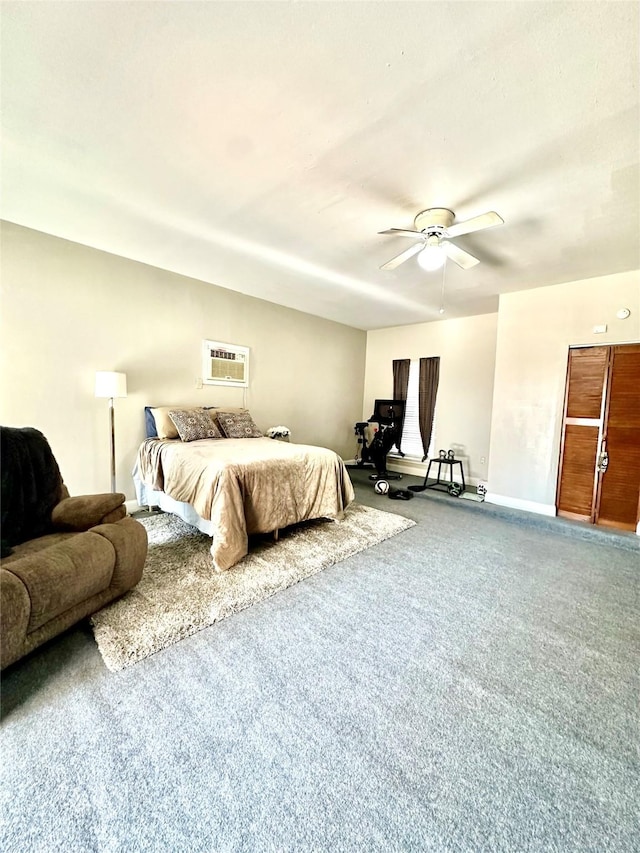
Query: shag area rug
(180, 593)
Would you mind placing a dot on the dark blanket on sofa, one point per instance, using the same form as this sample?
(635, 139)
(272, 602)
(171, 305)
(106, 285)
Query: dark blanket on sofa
(31, 485)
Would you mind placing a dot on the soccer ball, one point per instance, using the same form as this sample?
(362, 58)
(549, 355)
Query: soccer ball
(381, 487)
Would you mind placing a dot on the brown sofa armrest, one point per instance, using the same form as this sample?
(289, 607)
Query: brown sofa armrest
(129, 539)
(85, 511)
(15, 606)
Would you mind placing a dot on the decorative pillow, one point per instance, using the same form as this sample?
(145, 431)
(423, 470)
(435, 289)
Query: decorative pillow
(194, 424)
(165, 427)
(227, 409)
(150, 423)
(238, 425)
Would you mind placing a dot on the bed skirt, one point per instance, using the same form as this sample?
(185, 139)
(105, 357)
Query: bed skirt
(147, 497)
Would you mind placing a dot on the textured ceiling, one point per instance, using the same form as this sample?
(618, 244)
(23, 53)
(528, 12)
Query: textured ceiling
(262, 145)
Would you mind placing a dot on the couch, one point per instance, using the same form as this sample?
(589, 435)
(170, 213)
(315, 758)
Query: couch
(63, 558)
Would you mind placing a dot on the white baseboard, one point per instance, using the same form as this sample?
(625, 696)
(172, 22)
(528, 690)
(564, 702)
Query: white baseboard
(402, 466)
(419, 469)
(518, 503)
(528, 506)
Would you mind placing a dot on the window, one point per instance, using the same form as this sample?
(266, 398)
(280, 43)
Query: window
(411, 440)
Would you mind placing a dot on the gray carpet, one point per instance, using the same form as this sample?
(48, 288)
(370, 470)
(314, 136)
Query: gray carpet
(470, 685)
(180, 593)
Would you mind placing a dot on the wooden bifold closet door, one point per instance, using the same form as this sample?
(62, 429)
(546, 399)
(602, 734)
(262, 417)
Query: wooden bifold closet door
(599, 479)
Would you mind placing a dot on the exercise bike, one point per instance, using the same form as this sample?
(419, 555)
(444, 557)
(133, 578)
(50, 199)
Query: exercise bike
(389, 417)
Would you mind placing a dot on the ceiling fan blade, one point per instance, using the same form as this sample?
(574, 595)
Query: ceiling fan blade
(402, 232)
(402, 257)
(477, 223)
(459, 256)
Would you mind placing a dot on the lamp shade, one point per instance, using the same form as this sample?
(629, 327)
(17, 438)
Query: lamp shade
(111, 384)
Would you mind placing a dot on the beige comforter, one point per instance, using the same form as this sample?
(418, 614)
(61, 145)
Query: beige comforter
(247, 485)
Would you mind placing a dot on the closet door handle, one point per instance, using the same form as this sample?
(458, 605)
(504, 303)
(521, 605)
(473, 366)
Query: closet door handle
(603, 461)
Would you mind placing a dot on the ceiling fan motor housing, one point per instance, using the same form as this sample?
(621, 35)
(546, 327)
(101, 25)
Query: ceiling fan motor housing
(434, 220)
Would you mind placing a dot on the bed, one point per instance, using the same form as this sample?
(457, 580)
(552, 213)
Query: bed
(231, 488)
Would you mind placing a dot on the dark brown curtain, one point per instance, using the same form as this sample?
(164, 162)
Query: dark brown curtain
(400, 385)
(427, 390)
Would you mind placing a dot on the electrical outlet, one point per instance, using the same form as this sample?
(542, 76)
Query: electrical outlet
(199, 383)
(482, 460)
(599, 330)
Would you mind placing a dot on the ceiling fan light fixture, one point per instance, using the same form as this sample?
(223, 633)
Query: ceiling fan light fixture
(432, 257)
(434, 228)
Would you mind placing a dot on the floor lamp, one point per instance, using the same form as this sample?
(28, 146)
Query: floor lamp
(110, 384)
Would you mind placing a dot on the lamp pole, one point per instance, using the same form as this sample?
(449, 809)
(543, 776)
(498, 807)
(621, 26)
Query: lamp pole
(113, 445)
(111, 384)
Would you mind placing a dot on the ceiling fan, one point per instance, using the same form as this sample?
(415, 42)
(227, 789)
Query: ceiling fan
(434, 227)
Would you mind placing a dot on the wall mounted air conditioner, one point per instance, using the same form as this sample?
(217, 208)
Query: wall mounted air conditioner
(225, 364)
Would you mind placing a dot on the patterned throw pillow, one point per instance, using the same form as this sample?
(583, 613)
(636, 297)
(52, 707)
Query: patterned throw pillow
(194, 424)
(238, 425)
(164, 426)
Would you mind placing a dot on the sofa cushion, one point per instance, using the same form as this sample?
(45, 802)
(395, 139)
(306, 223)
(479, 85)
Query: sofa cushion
(16, 608)
(33, 546)
(129, 540)
(69, 571)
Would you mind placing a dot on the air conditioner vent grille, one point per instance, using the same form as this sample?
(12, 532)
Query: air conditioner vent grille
(225, 364)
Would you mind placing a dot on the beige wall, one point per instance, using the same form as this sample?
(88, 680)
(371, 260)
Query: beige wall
(535, 330)
(466, 348)
(68, 310)
(501, 380)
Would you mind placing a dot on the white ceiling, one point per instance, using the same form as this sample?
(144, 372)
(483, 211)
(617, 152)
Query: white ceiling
(262, 145)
